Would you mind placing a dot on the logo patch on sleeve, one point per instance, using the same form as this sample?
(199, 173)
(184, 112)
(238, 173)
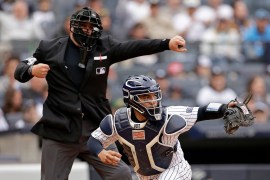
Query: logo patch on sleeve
(138, 135)
(31, 60)
(189, 109)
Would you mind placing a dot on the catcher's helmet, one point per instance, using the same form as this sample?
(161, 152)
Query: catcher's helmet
(86, 15)
(142, 85)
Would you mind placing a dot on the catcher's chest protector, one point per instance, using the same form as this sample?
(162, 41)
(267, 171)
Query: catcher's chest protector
(146, 154)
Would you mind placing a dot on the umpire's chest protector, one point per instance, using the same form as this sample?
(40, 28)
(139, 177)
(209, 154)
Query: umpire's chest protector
(145, 152)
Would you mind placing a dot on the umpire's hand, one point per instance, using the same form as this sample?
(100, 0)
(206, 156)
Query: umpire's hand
(178, 44)
(110, 157)
(40, 70)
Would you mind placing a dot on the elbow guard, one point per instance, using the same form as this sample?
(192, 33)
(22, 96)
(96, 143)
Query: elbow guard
(106, 125)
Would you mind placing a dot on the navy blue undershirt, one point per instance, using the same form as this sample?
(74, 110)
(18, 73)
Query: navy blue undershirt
(72, 58)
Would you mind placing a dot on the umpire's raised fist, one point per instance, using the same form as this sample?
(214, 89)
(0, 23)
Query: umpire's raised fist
(40, 70)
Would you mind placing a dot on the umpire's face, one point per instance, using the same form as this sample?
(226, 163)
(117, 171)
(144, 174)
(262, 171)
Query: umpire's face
(87, 28)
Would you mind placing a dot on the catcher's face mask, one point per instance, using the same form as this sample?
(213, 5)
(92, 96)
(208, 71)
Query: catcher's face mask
(86, 27)
(143, 94)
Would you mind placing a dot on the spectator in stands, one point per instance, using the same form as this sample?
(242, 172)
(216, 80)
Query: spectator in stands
(79, 4)
(6, 5)
(121, 18)
(261, 112)
(7, 78)
(36, 92)
(138, 32)
(158, 25)
(175, 70)
(137, 11)
(12, 108)
(217, 90)
(19, 25)
(45, 17)
(171, 7)
(256, 35)
(106, 21)
(30, 114)
(185, 22)
(97, 5)
(162, 79)
(3, 122)
(257, 85)
(222, 41)
(241, 15)
(208, 12)
(64, 29)
(203, 69)
(178, 93)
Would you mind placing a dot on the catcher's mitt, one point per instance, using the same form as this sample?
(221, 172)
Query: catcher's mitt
(239, 115)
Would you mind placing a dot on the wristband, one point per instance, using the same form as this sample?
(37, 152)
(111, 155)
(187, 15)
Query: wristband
(30, 70)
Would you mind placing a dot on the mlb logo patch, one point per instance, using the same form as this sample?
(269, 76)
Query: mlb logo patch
(100, 70)
(189, 109)
(138, 135)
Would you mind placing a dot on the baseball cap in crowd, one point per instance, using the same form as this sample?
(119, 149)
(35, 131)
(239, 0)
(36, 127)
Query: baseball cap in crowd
(205, 14)
(175, 68)
(160, 73)
(217, 70)
(204, 61)
(225, 12)
(261, 14)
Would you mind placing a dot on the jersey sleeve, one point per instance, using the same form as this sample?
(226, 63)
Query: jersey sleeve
(190, 114)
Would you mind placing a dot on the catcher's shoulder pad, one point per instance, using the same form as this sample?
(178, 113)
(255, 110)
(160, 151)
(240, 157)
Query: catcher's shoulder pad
(175, 124)
(106, 125)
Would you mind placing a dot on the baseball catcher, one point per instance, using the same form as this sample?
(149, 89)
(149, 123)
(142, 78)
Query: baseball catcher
(149, 132)
(239, 115)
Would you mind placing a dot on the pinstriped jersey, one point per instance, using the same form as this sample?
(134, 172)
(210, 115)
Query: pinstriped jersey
(178, 167)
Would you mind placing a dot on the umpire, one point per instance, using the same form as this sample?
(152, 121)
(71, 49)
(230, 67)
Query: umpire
(76, 69)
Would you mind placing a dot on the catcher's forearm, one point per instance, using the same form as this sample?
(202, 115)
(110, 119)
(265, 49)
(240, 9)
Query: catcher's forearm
(94, 146)
(211, 111)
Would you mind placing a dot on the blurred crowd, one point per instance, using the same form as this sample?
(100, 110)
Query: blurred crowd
(228, 54)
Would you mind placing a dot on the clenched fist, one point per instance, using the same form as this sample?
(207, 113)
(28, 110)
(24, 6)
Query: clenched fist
(40, 70)
(110, 157)
(178, 44)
